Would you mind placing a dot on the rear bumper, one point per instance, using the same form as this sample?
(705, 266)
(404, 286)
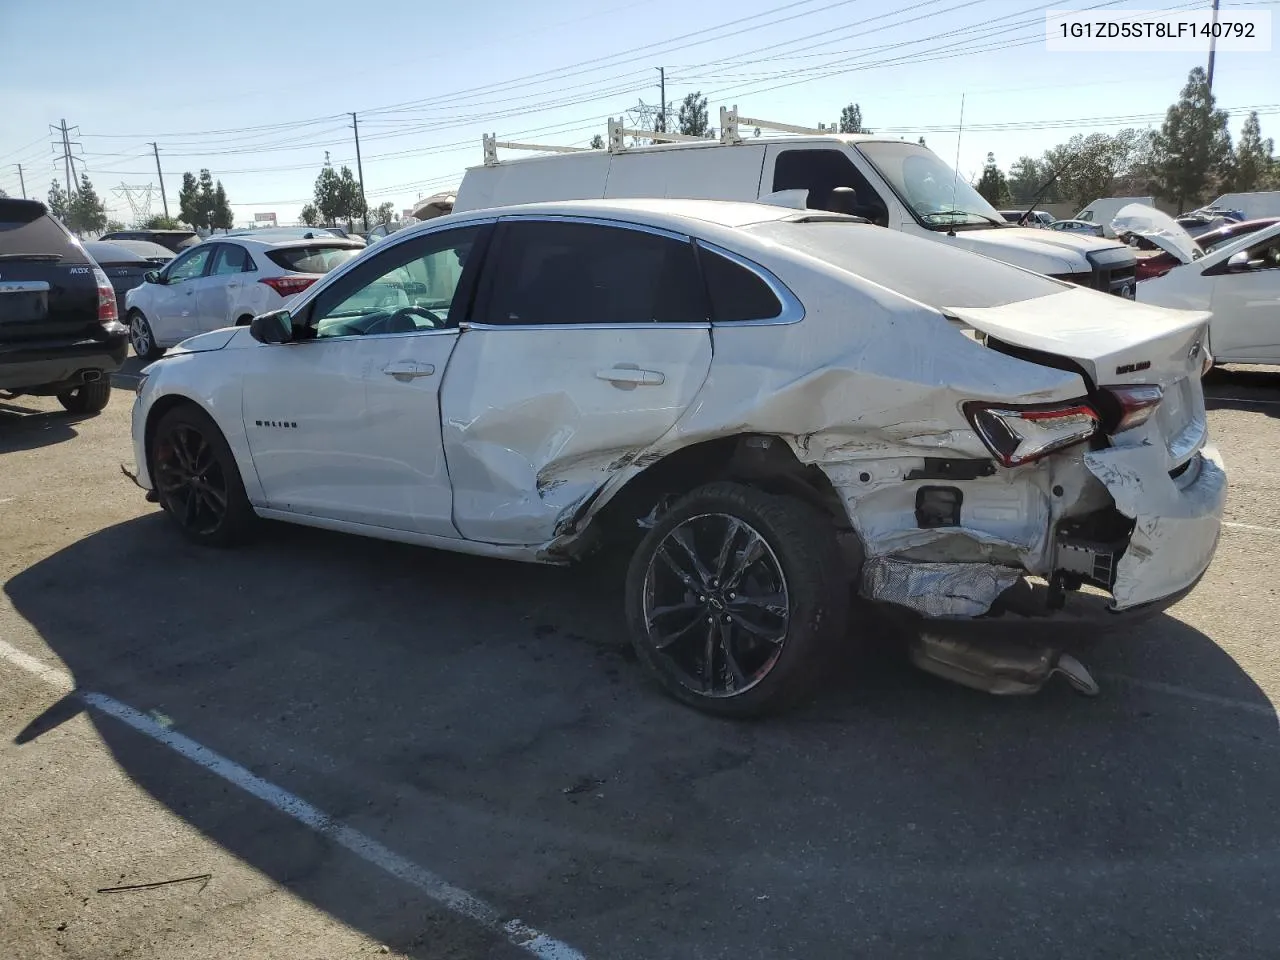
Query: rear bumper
(25, 367)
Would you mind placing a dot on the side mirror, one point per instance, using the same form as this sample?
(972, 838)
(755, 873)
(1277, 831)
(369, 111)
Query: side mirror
(151, 276)
(273, 327)
(1240, 263)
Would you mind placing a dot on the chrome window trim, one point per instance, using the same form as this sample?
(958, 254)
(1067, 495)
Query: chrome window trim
(374, 336)
(700, 325)
(597, 222)
(792, 308)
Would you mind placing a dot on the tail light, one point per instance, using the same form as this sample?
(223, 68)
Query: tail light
(1136, 405)
(1018, 435)
(289, 285)
(108, 312)
(1151, 267)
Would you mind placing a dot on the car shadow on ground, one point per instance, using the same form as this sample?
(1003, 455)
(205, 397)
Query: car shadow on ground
(486, 720)
(1243, 388)
(28, 428)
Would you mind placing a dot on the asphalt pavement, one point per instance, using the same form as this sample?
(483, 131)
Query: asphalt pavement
(339, 747)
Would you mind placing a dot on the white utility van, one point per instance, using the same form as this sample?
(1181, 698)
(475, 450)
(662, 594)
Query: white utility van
(1104, 209)
(1265, 203)
(892, 183)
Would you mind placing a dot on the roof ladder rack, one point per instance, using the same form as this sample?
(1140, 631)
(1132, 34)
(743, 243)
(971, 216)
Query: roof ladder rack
(492, 143)
(618, 134)
(730, 122)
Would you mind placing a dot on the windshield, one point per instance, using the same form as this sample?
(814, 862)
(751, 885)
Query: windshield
(939, 198)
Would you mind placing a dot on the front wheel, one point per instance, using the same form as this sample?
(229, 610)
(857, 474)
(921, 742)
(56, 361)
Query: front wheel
(141, 338)
(88, 398)
(196, 479)
(734, 597)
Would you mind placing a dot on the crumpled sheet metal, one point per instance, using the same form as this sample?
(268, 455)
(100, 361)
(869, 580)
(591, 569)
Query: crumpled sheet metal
(937, 589)
(1175, 531)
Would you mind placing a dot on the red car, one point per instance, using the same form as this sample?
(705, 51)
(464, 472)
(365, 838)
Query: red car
(1161, 263)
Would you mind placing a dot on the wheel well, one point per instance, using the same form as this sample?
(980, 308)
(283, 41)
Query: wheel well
(245, 320)
(158, 410)
(758, 460)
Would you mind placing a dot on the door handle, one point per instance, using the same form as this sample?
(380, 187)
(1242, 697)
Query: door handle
(407, 370)
(632, 376)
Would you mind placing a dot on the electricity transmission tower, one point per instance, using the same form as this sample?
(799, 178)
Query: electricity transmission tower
(138, 198)
(646, 116)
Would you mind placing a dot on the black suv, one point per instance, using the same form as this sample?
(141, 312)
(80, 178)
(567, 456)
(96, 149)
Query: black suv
(60, 333)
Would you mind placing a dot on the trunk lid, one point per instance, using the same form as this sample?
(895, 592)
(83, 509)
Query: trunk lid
(47, 287)
(1158, 227)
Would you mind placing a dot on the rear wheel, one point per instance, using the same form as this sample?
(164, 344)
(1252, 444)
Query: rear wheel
(197, 481)
(734, 597)
(88, 398)
(141, 338)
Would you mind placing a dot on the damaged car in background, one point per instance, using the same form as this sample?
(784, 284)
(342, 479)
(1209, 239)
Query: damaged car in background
(776, 413)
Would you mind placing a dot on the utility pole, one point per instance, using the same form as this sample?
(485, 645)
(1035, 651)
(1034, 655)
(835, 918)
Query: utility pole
(163, 199)
(364, 204)
(61, 130)
(662, 98)
(1213, 44)
(22, 180)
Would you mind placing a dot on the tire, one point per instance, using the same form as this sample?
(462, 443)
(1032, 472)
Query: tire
(197, 481)
(791, 606)
(89, 398)
(141, 338)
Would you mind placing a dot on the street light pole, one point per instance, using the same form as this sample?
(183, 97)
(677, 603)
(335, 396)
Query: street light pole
(1213, 44)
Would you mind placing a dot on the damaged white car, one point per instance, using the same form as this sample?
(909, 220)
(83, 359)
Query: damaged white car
(776, 411)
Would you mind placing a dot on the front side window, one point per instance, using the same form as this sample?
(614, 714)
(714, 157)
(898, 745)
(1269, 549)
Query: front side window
(939, 198)
(822, 173)
(1265, 255)
(555, 272)
(412, 287)
(189, 265)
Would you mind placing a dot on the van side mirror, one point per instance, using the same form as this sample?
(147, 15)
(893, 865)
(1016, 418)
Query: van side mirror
(273, 327)
(1240, 263)
(151, 276)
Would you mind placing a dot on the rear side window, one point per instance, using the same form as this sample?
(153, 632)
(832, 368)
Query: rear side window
(26, 230)
(231, 258)
(551, 272)
(313, 259)
(735, 292)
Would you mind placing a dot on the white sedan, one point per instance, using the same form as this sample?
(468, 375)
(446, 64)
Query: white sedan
(226, 281)
(771, 409)
(1239, 282)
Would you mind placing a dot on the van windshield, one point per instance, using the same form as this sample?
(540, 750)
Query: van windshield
(939, 198)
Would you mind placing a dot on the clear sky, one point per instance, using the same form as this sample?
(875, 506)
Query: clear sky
(258, 92)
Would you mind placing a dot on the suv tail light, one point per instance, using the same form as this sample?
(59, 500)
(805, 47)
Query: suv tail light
(289, 285)
(1136, 405)
(1018, 435)
(108, 312)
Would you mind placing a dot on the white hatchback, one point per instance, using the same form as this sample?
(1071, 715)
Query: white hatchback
(769, 410)
(226, 281)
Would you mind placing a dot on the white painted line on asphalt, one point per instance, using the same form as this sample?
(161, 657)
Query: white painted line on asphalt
(59, 679)
(366, 848)
(1157, 686)
(1210, 398)
(1249, 526)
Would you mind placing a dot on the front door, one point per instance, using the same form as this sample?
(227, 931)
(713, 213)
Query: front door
(174, 305)
(1246, 307)
(344, 423)
(587, 343)
(216, 292)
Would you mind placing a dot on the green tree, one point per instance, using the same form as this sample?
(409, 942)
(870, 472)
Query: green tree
(58, 201)
(160, 222)
(310, 215)
(597, 142)
(992, 184)
(112, 226)
(328, 195)
(189, 208)
(208, 197)
(85, 212)
(1193, 147)
(1097, 164)
(382, 214)
(221, 217)
(351, 198)
(851, 119)
(1252, 157)
(1026, 177)
(693, 115)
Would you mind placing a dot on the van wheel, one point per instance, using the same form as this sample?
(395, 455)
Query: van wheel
(88, 398)
(734, 597)
(197, 481)
(141, 338)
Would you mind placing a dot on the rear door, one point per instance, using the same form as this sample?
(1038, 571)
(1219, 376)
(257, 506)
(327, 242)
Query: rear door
(588, 341)
(47, 288)
(219, 291)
